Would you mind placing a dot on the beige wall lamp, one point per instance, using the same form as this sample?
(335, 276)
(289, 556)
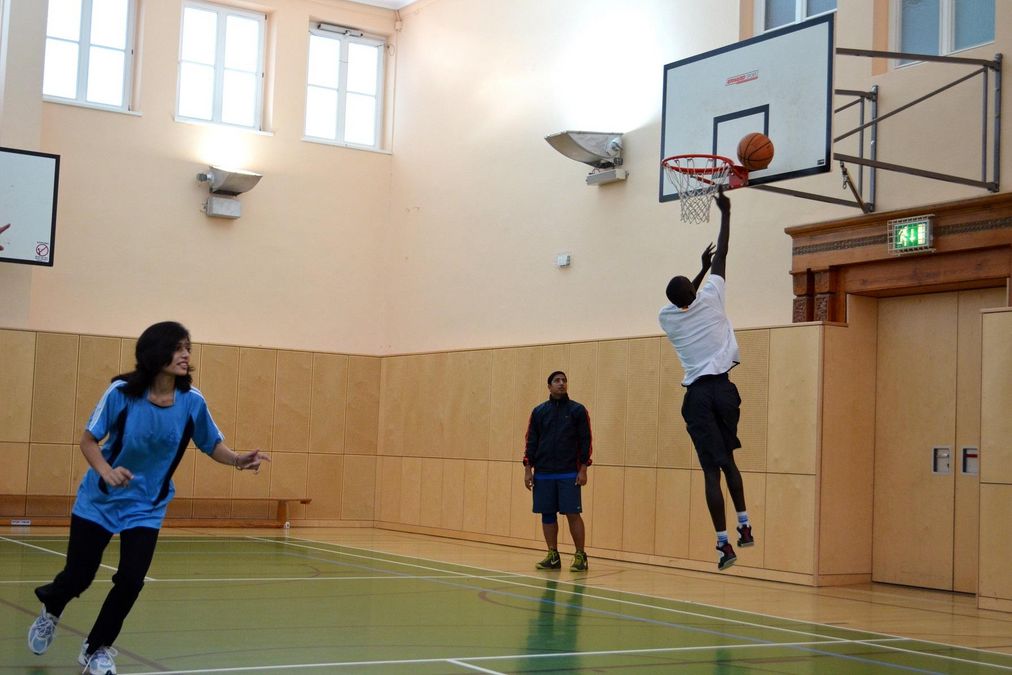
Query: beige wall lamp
(601, 150)
(225, 185)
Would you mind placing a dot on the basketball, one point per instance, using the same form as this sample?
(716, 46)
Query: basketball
(755, 151)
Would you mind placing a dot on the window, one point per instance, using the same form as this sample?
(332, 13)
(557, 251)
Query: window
(772, 14)
(344, 86)
(944, 26)
(221, 57)
(89, 52)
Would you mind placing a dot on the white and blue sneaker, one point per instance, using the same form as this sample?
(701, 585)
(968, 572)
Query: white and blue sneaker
(42, 632)
(99, 662)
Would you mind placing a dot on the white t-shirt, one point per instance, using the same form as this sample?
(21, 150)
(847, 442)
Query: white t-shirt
(701, 333)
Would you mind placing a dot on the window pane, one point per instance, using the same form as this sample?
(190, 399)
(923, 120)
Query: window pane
(238, 98)
(779, 13)
(200, 35)
(362, 63)
(321, 113)
(360, 120)
(974, 23)
(60, 77)
(105, 76)
(64, 19)
(196, 91)
(242, 44)
(820, 6)
(109, 23)
(324, 61)
(919, 29)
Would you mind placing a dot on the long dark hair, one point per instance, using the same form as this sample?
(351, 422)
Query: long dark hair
(154, 351)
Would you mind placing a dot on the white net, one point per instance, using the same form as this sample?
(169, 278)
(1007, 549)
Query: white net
(696, 178)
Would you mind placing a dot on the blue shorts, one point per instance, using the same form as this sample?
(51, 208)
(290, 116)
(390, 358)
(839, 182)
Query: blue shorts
(556, 495)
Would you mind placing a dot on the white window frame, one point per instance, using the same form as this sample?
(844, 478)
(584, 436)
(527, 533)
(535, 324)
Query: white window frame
(84, 54)
(223, 12)
(347, 36)
(946, 30)
(800, 8)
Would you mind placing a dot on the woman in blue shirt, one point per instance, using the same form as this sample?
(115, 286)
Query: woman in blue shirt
(148, 418)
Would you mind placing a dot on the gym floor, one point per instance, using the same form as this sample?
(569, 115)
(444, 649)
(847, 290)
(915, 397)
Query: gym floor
(371, 601)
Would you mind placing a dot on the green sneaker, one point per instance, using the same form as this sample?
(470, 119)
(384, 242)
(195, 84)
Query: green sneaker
(552, 561)
(579, 562)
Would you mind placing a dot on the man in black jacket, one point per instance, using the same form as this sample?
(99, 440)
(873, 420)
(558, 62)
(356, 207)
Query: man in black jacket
(555, 468)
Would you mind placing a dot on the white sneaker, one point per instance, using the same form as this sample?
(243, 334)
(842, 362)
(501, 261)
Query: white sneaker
(99, 663)
(42, 632)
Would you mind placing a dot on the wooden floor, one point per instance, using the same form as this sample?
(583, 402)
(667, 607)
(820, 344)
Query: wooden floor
(265, 570)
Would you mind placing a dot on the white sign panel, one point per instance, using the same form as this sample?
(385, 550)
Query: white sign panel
(28, 188)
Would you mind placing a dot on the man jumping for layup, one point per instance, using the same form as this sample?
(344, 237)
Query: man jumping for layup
(698, 327)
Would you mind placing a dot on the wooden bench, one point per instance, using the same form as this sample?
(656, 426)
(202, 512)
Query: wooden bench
(280, 519)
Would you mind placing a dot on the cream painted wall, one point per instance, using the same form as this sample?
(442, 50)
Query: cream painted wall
(448, 242)
(133, 247)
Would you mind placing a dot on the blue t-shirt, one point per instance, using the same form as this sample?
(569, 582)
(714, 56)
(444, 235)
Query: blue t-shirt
(150, 441)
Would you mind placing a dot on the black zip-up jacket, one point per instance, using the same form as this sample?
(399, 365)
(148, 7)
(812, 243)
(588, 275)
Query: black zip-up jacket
(558, 437)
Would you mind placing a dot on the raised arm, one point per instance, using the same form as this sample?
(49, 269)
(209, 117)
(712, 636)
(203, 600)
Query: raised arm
(707, 261)
(720, 257)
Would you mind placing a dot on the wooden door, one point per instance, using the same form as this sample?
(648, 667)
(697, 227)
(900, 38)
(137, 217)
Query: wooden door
(927, 397)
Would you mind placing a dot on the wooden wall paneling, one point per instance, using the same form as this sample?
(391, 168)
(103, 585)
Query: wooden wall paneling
(285, 475)
(79, 467)
(326, 487)
(612, 402)
(504, 443)
(470, 395)
(531, 388)
(752, 377)
(452, 499)
(388, 488)
(789, 527)
(582, 375)
(996, 398)
(524, 524)
(195, 351)
(127, 354)
(411, 491)
(609, 501)
(639, 515)
(358, 487)
(431, 510)
(968, 381)
(587, 499)
(49, 467)
(211, 479)
(475, 496)
(182, 479)
(915, 394)
(293, 400)
(328, 403)
(671, 513)
(499, 490)
(642, 402)
(554, 357)
(362, 435)
(755, 500)
(14, 477)
(54, 390)
(393, 398)
(847, 459)
(255, 410)
(995, 581)
(17, 376)
(220, 386)
(702, 537)
(794, 399)
(426, 412)
(674, 447)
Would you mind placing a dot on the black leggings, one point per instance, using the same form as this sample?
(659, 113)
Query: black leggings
(84, 555)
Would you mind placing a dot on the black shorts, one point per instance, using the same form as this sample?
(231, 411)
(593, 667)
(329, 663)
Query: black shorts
(711, 409)
(556, 495)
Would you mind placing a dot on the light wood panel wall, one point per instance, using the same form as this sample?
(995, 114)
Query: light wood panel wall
(447, 418)
(994, 589)
(316, 414)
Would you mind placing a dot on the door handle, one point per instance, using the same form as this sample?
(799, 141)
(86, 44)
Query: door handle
(941, 459)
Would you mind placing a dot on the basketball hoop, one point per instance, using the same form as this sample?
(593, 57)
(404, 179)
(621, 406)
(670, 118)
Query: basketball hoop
(697, 177)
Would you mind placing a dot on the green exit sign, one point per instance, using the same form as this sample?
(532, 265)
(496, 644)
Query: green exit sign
(910, 235)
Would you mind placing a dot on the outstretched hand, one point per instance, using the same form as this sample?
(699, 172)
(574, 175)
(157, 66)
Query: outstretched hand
(707, 256)
(250, 460)
(723, 203)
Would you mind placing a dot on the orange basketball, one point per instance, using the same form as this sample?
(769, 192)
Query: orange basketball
(755, 151)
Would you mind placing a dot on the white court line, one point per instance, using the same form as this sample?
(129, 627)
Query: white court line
(167, 580)
(464, 660)
(827, 639)
(640, 605)
(470, 666)
(63, 555)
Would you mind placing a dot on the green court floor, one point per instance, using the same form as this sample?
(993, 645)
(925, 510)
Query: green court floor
(266, 604)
